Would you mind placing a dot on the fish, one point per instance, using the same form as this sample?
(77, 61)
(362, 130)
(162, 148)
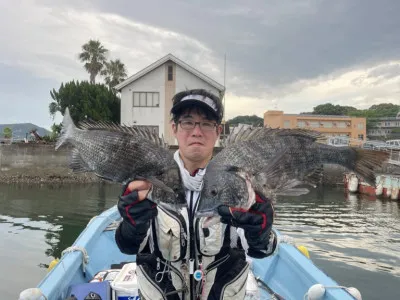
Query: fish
(276, 162)
(121, 154)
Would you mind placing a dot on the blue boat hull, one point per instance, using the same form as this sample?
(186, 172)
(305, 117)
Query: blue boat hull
(288, 273)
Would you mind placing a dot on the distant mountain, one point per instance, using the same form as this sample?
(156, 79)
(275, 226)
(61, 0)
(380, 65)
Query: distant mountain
(20, 130)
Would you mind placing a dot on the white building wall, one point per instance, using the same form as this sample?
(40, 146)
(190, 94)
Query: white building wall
(153, 81)
(187, 81)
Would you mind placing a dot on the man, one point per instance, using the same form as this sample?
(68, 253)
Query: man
(177, 258)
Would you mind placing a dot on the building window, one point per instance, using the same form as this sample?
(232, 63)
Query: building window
(360, 126)
(286, 124)
(146, 99)
(314, 124)
(361, 137)
(170, 73)
(301, 124)
(327, 124)
(152, 128)
(341, 125)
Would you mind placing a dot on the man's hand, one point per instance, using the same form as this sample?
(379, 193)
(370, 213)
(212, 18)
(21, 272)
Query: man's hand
(141, 186)
(134, 207)
(256, 223)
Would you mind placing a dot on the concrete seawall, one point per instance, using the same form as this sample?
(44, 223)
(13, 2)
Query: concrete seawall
(37, 163)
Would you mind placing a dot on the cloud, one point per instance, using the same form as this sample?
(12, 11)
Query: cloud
(292, 55)
(360, 88)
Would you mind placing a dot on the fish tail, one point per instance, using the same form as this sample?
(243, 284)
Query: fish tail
(367, 161)
(68, 127)
(363, 162)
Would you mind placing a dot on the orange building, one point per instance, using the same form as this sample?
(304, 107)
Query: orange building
(353, 128)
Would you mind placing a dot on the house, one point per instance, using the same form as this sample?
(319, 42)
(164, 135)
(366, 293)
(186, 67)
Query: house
(384, 128)
(330, 125)
(146, 97)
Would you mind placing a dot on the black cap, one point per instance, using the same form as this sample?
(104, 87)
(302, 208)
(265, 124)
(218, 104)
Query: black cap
(200, 98)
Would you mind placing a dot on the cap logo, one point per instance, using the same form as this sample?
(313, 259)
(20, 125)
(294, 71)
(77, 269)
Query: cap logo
(203, 99)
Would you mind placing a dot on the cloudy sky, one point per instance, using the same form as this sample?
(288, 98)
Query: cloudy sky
(281, 54)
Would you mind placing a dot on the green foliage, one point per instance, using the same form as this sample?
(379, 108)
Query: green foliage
(94, 56)
(330, 109)
(86, 102)
(250, 120)
(7, 132)
(375, 111)
(114, 72)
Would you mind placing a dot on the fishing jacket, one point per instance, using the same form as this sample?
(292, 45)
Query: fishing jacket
(179, 259)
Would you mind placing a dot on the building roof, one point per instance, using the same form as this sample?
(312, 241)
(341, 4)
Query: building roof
(320, 116)
(163, 60)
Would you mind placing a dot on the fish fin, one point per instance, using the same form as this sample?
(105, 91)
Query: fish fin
(143, 132)
(157, 183)
(251, 133)
(315, 177)
(77, 164)
(67, 129)
(366, 161)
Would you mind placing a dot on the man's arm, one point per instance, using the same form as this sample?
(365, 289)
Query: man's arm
(137, 212)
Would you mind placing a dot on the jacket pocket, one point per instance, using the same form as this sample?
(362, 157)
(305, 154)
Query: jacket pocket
(226, 277)
(210, 239)
(236, 289)
(171, 235)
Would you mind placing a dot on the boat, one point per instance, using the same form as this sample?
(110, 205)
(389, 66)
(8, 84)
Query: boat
(387, 186)
(288, 274)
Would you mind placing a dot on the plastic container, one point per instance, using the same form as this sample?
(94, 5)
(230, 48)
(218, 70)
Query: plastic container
(125, 285)
(106, 275)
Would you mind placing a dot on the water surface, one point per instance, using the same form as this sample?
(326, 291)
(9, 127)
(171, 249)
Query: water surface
(356, 241)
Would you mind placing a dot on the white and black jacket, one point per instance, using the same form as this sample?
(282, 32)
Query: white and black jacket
(176, 245)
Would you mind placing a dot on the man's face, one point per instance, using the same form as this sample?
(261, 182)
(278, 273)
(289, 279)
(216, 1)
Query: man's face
(196, 144)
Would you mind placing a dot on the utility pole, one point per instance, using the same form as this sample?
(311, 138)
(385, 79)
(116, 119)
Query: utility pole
(224, 122)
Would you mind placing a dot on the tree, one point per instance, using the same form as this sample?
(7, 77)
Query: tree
(330, 109)
(86, 102)
(385, 110)
(7, 133)
(250, 120)
(114, 72)
(94, 56)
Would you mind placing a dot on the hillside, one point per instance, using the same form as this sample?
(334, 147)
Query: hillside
(21, 129)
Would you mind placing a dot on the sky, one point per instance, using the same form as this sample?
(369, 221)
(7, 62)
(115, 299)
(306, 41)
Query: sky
(290, 55)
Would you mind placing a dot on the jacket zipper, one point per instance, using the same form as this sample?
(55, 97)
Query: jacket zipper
(192, 246)
(217, 263)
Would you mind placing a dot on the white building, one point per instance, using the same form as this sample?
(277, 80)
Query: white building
(146, 97)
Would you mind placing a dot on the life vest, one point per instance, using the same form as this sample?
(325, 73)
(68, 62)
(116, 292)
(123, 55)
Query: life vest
(180, 259)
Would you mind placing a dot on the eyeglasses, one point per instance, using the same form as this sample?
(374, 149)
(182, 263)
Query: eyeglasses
(204, 126)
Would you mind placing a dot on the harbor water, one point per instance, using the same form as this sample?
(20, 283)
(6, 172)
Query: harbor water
(353, 239)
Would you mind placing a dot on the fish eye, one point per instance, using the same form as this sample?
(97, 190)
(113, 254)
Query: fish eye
(214, 192)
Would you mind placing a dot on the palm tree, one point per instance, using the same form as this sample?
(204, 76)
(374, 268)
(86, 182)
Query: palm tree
(94, 54)
(114, 72)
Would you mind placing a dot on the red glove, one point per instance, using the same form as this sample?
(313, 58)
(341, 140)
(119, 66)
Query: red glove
(256, 223)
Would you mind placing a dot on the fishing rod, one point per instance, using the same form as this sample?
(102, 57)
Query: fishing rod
(265, 286)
